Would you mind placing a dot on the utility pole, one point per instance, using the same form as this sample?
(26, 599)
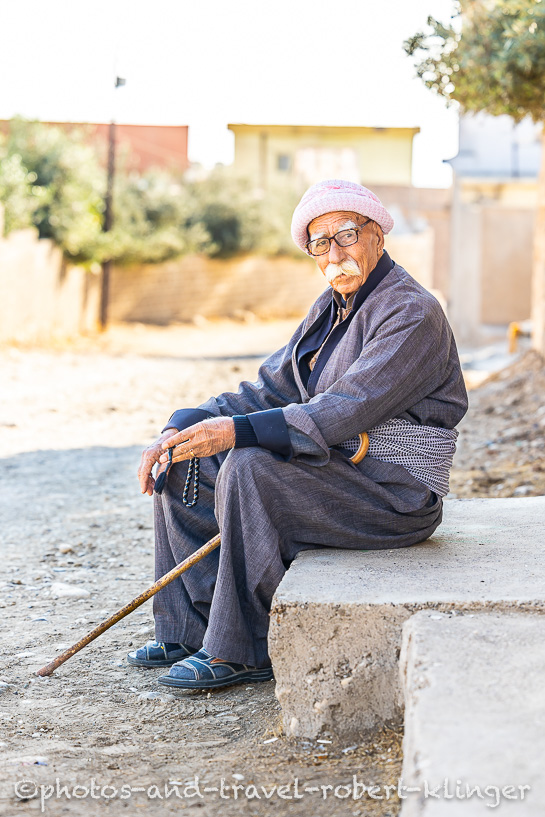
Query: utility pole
(108, 217)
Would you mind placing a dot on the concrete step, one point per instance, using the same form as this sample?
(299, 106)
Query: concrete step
(474, 714)
(336, 617)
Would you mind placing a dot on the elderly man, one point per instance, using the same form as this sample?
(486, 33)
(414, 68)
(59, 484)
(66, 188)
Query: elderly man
(375, 354)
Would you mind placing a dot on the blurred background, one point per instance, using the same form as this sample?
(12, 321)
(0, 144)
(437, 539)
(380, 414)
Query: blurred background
(151, 158)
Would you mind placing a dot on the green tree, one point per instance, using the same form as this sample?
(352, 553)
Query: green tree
(154, 221)
(16, 192)
(63, 186)
(491, 58)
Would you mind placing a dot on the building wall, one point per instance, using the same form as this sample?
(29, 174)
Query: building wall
(414, 252)
(422, 209)
(146, 146)
(497, 147)
(507, 238)
(43, 297)
(366, 155)
(491, 259)
(142, 146)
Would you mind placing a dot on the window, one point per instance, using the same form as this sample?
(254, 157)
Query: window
(283, 162)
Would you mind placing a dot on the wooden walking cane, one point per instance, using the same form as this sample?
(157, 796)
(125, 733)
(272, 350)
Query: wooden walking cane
(132, 605)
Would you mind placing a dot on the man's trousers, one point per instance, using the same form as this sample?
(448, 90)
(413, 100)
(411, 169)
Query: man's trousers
(268, 510)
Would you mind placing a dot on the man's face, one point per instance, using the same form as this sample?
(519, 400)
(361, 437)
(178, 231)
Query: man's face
(347, 268)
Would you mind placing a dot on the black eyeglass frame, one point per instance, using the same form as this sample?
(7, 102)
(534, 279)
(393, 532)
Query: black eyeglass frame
(334, 238)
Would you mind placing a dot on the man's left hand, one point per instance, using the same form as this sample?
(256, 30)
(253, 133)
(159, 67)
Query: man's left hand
(203, 439)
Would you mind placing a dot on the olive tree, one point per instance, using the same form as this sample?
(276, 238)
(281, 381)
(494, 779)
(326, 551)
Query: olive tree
(491, 58)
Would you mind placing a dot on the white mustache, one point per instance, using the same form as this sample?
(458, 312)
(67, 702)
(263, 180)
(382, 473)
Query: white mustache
(348, 267)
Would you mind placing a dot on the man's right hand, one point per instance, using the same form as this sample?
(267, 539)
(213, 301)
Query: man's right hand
(150, 456)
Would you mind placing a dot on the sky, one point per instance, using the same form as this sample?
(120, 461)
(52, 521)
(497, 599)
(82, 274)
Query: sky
(205, 64)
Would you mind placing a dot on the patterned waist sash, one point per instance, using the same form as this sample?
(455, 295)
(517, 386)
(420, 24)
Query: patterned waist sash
(426, 452)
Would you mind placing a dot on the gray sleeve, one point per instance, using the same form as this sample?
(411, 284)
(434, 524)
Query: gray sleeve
(303, 444)
(400, 365)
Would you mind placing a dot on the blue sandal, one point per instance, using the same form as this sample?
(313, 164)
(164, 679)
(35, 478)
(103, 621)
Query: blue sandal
(159, 654)
(203, 671)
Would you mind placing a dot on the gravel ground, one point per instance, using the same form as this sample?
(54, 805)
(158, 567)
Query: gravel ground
(501, 449)
(73, 421)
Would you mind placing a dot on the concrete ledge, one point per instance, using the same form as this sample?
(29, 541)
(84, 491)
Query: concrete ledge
(474, 713)
(337, 615)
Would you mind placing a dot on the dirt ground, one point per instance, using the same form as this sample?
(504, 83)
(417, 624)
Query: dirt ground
(99, 735)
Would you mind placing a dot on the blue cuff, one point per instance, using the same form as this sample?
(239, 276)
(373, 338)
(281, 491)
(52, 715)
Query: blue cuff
(271, 431)
(244, 434)
(183, 418)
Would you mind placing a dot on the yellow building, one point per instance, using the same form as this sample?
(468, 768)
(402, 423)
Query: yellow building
(305, 154)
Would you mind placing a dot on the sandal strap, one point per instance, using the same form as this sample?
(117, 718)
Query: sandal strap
(202, 668)
(162, 645)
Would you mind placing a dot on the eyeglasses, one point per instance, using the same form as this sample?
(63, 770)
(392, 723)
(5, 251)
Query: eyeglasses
(344, 238)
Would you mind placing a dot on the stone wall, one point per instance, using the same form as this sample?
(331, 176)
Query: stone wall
(193, 286)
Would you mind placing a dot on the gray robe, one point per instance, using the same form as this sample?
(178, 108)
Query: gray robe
(397, 359)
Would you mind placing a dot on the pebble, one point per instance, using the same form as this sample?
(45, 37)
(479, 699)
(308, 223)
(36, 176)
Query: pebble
(4, 687)
(523, 490)
(30, 760)
(26, 654)
(63, 590)
(65, 548)
(270, 740)
(238, 776)
(149, 696)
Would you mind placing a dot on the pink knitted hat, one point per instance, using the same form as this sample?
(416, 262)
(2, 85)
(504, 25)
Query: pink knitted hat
(332, 195)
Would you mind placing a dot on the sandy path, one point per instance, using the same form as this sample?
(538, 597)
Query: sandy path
(72, 425)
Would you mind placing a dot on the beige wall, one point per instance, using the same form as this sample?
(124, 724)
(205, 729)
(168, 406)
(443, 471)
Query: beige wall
(491, 255)
(183, 289)
(507, 236)
(433, 206)
(41, 297)
(414, 251)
